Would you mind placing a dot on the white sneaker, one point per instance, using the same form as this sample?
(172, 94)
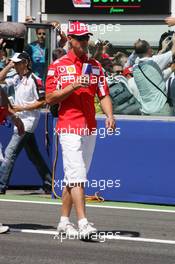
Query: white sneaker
(67, 228)
(3, 229)
(86, 230)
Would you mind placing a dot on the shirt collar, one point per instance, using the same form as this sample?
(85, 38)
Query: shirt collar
(75, 58)
(144, 58)
(27, 75)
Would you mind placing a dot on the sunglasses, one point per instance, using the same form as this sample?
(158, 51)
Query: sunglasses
(81, 38)
(41, 34)
(118, 72)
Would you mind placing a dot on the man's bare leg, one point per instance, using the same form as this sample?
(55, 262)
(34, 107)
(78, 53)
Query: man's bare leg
(65, 225)
(78, 198)
(66, 202)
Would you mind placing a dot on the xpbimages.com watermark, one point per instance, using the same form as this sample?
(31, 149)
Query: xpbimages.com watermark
(101, 185)
(101, 132)
(91, 80)
(101, 29)
(101, 236)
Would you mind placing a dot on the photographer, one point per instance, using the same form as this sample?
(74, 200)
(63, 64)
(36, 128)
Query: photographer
(150, 79)
(165, 42)
(102, 48)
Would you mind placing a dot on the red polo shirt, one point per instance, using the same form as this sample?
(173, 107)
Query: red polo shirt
(77, 111)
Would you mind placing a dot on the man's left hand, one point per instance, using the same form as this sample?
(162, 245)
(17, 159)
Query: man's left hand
(19, 124)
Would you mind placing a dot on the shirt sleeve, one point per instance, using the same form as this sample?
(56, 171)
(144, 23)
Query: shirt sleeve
(12, 81)
(163, 59)
(167, 73)
(103, 88)
(52, 80)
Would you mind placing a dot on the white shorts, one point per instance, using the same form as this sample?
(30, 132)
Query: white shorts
(77, 152)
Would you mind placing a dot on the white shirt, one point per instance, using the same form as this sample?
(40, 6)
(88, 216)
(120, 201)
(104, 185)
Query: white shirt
(27, 91)
(132, 87)
(161, 59)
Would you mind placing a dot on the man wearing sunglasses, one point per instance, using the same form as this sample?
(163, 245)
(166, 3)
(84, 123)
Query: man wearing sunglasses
(38, 53)
(69, 83)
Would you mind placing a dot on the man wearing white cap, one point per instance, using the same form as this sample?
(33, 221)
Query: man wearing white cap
(69, 82)
(29, 97)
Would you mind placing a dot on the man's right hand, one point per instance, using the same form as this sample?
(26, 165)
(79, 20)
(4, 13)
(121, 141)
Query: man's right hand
(170, 21)
(82, 81)
(10, 64)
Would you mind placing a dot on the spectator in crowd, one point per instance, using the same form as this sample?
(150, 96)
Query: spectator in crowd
(30, 19)
(131, 60)
(120, 58)
(61, 36)
(123, 100)
(77, 117)
(98, 51)
(58, 53)
(149, 78)
(132, 87)
(3, 54)
(117, 69)
(101, 50)
(3, 58)
(165, 42)
(92, 48)
(38, 54)
(29, 97)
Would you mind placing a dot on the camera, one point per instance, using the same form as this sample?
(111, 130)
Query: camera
(17, 44)
(166, 36)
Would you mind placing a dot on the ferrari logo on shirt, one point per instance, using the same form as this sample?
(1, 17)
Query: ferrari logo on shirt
(71, 69)
(62, 69)
(67, 69)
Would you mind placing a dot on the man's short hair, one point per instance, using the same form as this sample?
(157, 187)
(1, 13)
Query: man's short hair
(119, 56)
(141, 47)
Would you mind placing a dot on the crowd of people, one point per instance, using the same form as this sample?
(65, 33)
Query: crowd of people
(134, 89)
(123, 71)
(139, 83)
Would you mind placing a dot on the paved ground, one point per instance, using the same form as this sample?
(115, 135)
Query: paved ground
(151, 232)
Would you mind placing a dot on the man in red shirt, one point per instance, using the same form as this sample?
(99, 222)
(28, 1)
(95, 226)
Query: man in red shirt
(73, 81)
